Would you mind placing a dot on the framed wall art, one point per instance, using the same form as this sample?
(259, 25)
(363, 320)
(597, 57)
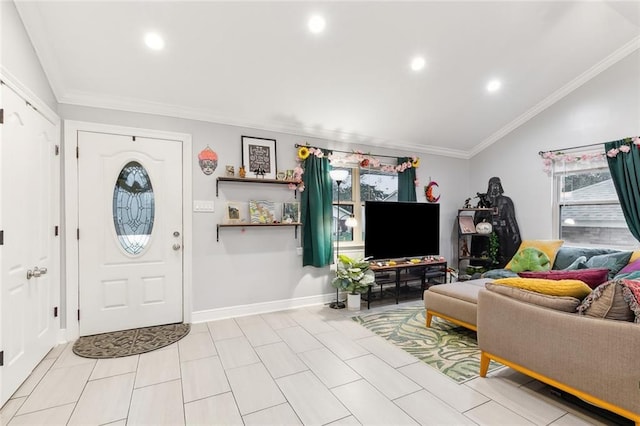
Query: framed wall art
(259, 156)
(466, 225)
(236, 212)
(290, 212)
(262, 211)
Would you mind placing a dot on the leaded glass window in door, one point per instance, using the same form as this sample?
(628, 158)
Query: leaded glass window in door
(133, 208)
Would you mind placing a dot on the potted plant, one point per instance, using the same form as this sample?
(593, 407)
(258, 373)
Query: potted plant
(353, 276)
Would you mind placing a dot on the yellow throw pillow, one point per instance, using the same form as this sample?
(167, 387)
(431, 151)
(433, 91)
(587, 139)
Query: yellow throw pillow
(548, 247)
(572, 288)
(635, 255)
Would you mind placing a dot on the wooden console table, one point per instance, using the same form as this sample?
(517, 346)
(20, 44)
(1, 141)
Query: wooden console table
(392, 276)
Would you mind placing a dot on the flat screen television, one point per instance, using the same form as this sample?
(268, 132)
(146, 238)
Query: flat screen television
(395, 229)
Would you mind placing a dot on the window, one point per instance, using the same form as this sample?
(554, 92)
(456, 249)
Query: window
(133, 208)
(363, 185)
(587, 207)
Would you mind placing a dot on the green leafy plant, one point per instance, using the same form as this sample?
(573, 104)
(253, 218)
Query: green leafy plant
(353, 275)
(494, 245)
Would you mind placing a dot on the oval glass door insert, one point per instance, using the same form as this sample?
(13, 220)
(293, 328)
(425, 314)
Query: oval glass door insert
(133, 207)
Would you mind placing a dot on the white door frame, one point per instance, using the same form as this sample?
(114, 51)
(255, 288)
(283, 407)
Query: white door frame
(71, 129)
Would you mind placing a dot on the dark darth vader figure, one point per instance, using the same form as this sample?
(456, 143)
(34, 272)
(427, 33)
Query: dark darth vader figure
(503, 220)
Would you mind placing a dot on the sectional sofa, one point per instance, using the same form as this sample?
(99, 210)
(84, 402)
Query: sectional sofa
(564, 341)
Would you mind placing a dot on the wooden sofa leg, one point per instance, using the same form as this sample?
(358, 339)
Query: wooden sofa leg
(484, 364)
(429, 316)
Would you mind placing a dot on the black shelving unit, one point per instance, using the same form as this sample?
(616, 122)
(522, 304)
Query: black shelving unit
(465, 238)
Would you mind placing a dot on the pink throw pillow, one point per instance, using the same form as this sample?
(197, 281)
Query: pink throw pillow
(631, 267)
(592, 277)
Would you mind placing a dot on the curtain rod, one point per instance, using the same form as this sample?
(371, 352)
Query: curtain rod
(348, 152)
(581, 146)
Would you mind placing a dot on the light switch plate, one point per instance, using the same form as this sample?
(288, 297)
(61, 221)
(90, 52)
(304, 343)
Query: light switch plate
(203, 205)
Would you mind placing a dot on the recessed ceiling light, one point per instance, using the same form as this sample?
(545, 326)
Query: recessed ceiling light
(316, 24)
(154, 41)
(417, 63)
(493, 85)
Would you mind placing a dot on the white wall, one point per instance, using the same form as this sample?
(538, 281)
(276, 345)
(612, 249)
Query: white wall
(18, 58)
(604, 109)
(261, 266)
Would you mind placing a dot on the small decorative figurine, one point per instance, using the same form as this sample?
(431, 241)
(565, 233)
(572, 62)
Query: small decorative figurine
(242, 172)
(467, 203)
(483, 200)
(259, 172)
(464, 249)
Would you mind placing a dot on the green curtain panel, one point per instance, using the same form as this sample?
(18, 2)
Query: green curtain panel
(625, 172)
(316, 212)
(406, 182)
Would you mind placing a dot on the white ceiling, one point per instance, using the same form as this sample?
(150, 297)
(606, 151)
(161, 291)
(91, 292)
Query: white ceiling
(255, 63)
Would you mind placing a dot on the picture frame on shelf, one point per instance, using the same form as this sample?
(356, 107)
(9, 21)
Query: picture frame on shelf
(259, 156)
(288, 174)
(290, 212)
(466, 225)
(235, 212)
(262, 211)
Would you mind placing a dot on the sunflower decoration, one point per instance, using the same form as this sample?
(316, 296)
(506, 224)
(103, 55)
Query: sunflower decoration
(303, 152)
(415, 162)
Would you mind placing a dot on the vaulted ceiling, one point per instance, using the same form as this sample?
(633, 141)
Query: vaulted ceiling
(257, 64)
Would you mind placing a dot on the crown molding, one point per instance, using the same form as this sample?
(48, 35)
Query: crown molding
(28, 95)
(574, 84)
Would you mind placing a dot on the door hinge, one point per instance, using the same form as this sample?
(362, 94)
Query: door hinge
(55, 312)
(56, 150)
(78, 314)
(78, 234)
(77, 152)
(2, 238)
(134, 138)
(55, 230)
(1, 115)
(1, 358)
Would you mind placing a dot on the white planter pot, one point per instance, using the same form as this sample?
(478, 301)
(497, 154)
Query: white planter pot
(353, 302)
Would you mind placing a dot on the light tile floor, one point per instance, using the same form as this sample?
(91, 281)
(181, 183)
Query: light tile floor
(312, 366)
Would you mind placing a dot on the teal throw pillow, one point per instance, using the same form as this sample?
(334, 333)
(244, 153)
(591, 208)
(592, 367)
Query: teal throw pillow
(614, 262)
(499, 273)
(567, 255)
(576, 264)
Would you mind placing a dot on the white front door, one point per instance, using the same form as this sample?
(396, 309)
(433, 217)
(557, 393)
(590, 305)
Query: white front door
(28, 197)
(130, 232)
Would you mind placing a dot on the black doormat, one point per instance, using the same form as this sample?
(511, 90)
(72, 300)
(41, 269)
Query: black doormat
(129, 342)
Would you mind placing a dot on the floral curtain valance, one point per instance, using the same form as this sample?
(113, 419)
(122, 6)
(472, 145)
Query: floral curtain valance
(559, 161)
(351, 159)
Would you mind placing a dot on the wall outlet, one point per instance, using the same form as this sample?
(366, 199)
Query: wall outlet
(299, 251)
(203, 206)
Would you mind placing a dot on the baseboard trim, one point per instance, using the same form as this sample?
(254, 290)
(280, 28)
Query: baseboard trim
(259, 308)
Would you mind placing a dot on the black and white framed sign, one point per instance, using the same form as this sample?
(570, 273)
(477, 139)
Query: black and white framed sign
(259, 156)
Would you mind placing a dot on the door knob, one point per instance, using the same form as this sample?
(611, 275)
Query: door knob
(29, 274)
(41, 271)
(176, 246)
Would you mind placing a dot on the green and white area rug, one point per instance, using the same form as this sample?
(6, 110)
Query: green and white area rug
(451, 349)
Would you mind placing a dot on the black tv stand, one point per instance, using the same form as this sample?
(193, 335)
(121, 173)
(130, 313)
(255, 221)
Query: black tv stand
(405, 278)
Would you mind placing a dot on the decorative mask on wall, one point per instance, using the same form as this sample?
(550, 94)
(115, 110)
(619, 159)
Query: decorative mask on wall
(208, 160)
